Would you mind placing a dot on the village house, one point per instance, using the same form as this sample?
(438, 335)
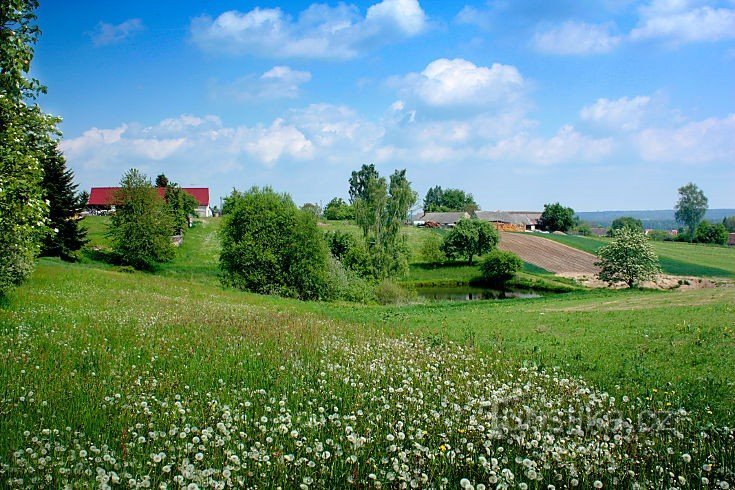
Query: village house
(103, 199)
(511, 220)
(731, 239)
(446, 220)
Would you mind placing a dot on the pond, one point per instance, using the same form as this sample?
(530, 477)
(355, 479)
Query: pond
(470, 293)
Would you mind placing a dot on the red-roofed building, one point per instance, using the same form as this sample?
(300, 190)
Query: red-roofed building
(103, 198)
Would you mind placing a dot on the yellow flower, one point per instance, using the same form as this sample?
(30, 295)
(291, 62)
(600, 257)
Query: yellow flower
(443, 448)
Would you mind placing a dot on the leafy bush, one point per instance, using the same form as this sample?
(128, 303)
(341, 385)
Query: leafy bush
(431, 248)
(337, 209)
(350, 251)
(499, 266)
(269, 246)
(140, 228)
(469, 238)
(625, 222)
(659, 235)
(347, 285)
(709, 233)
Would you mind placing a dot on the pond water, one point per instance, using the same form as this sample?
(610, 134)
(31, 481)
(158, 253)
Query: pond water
(470, 293)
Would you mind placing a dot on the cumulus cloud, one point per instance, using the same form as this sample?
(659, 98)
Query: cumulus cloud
(280, 82)
(707, 141)
(577, 38)
(105, 33)
(461, 83)
(683, 21)
(319, 32)
(624, 114)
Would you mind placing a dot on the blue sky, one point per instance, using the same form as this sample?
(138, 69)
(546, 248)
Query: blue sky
(609, 104)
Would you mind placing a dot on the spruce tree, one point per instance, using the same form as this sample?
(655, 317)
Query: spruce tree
(59, 190)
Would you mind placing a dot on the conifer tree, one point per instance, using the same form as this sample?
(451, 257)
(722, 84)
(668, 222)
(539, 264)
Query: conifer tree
(59, 190)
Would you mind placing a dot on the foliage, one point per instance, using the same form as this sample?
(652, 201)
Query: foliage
(690, 207)
(659, 235)
(347, 284)
(499, 266)
(27, 135)
(556, 218)
(388, 292)
(161, 180)
(470, 238)
(181, 205)
(65, 236)
(431, 248)
(629, 258)
(439, 200)
(623, 222)
(711, 233)
(269, 246)
(83, 200)
(380, 209)
(337, 209)
(312, 208)
(360, 181)
(729, 223)
(229, 202)
(140, 228)
(350, 251)
(583, 229)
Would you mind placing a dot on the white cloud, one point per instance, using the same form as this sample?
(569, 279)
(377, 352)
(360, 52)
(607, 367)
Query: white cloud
(624, 114)
(280, 82)
(105, 33)
(577, 38)
(319, 32)
(682, 21)
(458, 82)
(707, 141)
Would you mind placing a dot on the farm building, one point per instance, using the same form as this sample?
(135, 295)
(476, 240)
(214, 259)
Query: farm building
(511, 220)
(103, 198)
(731, 239)
(442, 219)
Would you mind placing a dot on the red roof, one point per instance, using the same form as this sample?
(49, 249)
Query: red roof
(104, 196)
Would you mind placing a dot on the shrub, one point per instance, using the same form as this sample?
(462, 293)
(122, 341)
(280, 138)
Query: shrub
(431, 248)
(350, 251)
(269, 246)
(709, 233)
(140, 228)
(499, 266)
(347, 285)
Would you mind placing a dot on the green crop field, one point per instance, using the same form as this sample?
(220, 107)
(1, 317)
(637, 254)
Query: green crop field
(112, 377)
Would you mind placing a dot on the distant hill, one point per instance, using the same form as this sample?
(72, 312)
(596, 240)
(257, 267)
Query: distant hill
(662, 219)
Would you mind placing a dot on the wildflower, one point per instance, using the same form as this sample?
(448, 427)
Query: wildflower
(686, 457)
(597, 484)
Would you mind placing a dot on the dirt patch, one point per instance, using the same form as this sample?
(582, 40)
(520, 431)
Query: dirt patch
(552, 256)
(662, 281)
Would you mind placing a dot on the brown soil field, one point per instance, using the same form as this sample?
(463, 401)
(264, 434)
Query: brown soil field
(552, 256)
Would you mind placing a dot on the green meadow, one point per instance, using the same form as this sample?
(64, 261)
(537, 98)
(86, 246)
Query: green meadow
(112, 377)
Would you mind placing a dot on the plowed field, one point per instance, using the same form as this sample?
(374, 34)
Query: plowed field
(552, 256)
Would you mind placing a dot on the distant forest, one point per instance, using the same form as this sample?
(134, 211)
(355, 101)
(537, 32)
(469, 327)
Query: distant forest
(654, 219)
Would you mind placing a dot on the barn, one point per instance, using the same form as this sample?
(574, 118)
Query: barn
(103, 198)
(442, 219)
(511, 220)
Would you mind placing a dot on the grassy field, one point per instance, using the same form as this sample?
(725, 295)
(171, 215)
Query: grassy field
(677, 258)
(110, 377)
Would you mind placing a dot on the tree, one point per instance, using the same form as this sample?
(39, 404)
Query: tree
(499, 266)
(229, 201)
(629, 258)
(337, 209)
(83, 200)
(181, 205)
(360, 180)
(711, 233)
(438, 200)
(26, 136)
(140, 228)
(380, 210)
(729, 223)
(269, 246)
(161, 181)
(470, 237)
(625, 222)
(556, 218)
(690, 207)
(59, 190)
(312, 208)
(431, 248)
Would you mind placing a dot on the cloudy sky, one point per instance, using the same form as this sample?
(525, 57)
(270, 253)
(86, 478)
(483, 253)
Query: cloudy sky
(609, 104)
